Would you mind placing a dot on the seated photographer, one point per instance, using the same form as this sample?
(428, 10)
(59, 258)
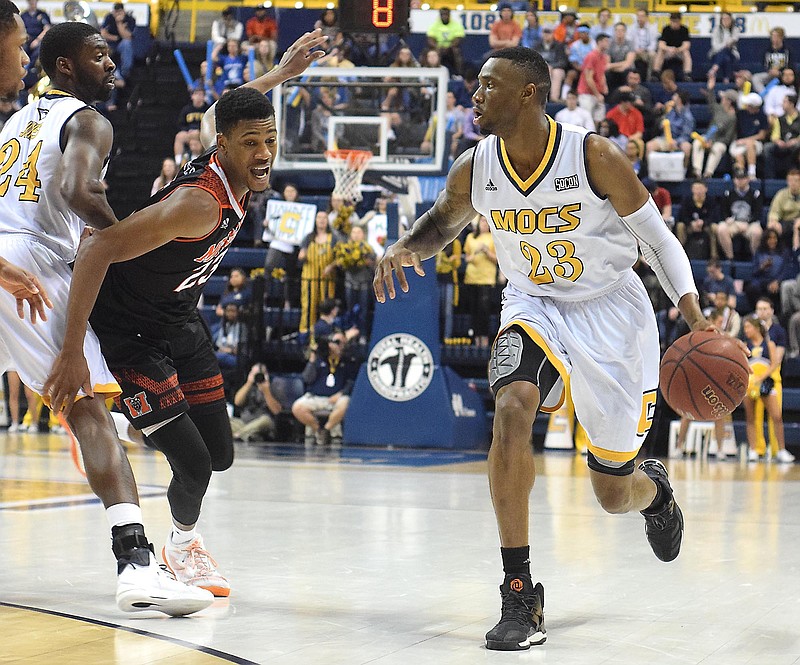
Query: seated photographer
(329, 377)
(256, 405)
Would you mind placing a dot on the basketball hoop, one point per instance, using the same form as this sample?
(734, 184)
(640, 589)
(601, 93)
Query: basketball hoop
(348, 168)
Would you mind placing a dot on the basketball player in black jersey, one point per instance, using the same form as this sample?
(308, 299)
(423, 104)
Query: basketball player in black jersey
(21, 284)
(155, 264)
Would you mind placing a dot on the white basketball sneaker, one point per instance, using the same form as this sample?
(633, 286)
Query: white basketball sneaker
(141, 588)
(193, 565)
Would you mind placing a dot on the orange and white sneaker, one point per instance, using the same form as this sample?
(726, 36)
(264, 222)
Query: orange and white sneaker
(193, 565)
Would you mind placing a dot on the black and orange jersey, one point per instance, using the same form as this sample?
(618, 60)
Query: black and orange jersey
(163, 286)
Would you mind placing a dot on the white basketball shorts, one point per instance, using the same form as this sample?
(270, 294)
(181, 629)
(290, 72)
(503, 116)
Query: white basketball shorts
(31, 349)
(607, 353)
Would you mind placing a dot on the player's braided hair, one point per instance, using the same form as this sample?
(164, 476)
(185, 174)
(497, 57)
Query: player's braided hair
(241, 104)
(7, 11)
(532, 64)
(63, 40)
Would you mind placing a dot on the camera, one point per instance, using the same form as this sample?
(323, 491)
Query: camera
(260, 378)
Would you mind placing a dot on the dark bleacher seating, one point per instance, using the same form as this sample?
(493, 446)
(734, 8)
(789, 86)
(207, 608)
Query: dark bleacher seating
(772, 187)
(214, 288)
(244, 257)
(742, 270)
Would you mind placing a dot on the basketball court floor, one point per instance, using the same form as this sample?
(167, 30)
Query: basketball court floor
(390, 557)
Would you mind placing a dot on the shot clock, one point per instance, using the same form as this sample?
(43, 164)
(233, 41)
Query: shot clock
(375, 16)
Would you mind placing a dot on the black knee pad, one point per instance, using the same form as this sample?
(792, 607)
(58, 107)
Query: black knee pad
(215, 428)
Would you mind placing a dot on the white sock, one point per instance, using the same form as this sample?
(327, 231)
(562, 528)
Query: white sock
(123, 513)
(751, 170)
(181, 537)
(178, 159)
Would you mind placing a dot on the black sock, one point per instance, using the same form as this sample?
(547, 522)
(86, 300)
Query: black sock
(516, 560)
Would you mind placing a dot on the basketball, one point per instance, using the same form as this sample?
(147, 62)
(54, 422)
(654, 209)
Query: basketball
(704, 375)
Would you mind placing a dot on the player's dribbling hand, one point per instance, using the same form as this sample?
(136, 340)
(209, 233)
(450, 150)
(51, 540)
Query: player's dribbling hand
(25, 288)
(70, 373)
(301, 54)
(393, 261)
(706, 325)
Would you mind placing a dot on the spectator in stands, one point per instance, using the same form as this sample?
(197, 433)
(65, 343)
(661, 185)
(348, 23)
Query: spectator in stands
(446, 36)
(715, 282)
(790, 294)
(532, 32)
(15, 389)
(781, 153)
(195, 149)
(670, 326)
(785, 207)
(227, 335)
(642, 98)
(237, 291)
(644, 37)
(743, 82)
(117, 30)
(729, 321)
(555, 55)
(329, 321)
(577, 52)
(610, 130)
(565, 31)
(681, 124)
(319, 119)
(317, 280)
(233, 64)
(257, 406)
(763, 356)
(603, 25)
(751, 130)
(724, 53)
(466, 88)
(662, 199)
(189, 123)
(225, 28)
(329, 24)
(674, 48)
(480, 279)
(592, 86)
(356, 259)
(633, 151)
(695, 227)
(264, 58)
(770, 265)
(765, 311)
(329, 377)
(740, 214)
(470, 135)
(261, 27)
(663, 94)
(716, 141)
(574, 114)
(776, 57)
(453, 128)
(168, 170)
(773, 98)
(505, 32)
(37, 23)
(448, 263)
(622, 57)
(628, 118)
(342, 214)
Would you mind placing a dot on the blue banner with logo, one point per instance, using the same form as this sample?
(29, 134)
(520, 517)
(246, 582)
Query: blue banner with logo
(402, 396)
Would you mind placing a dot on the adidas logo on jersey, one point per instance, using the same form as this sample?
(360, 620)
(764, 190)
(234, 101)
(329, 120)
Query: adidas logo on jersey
(490, 186)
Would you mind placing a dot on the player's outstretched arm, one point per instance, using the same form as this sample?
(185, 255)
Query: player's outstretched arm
(88, 137)
(25, 287)
(295, 61)
(188, 213)
(430, 233)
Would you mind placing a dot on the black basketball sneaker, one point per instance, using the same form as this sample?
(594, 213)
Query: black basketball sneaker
(521, 623)
(664, 528)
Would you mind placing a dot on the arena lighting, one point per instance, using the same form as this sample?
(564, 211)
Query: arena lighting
(330, 5)
(562, 8)
(493, 8)
(298, 4)
(425, 6)
(460, 8)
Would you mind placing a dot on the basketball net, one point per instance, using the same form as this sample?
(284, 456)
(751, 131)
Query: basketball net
(348, 168)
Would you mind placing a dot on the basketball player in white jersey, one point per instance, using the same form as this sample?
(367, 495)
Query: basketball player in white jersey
(566, 212)
(53, 152)
(13, 61)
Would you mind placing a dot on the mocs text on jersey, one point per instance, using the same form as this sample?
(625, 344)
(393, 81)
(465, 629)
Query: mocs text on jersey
(547, 220)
